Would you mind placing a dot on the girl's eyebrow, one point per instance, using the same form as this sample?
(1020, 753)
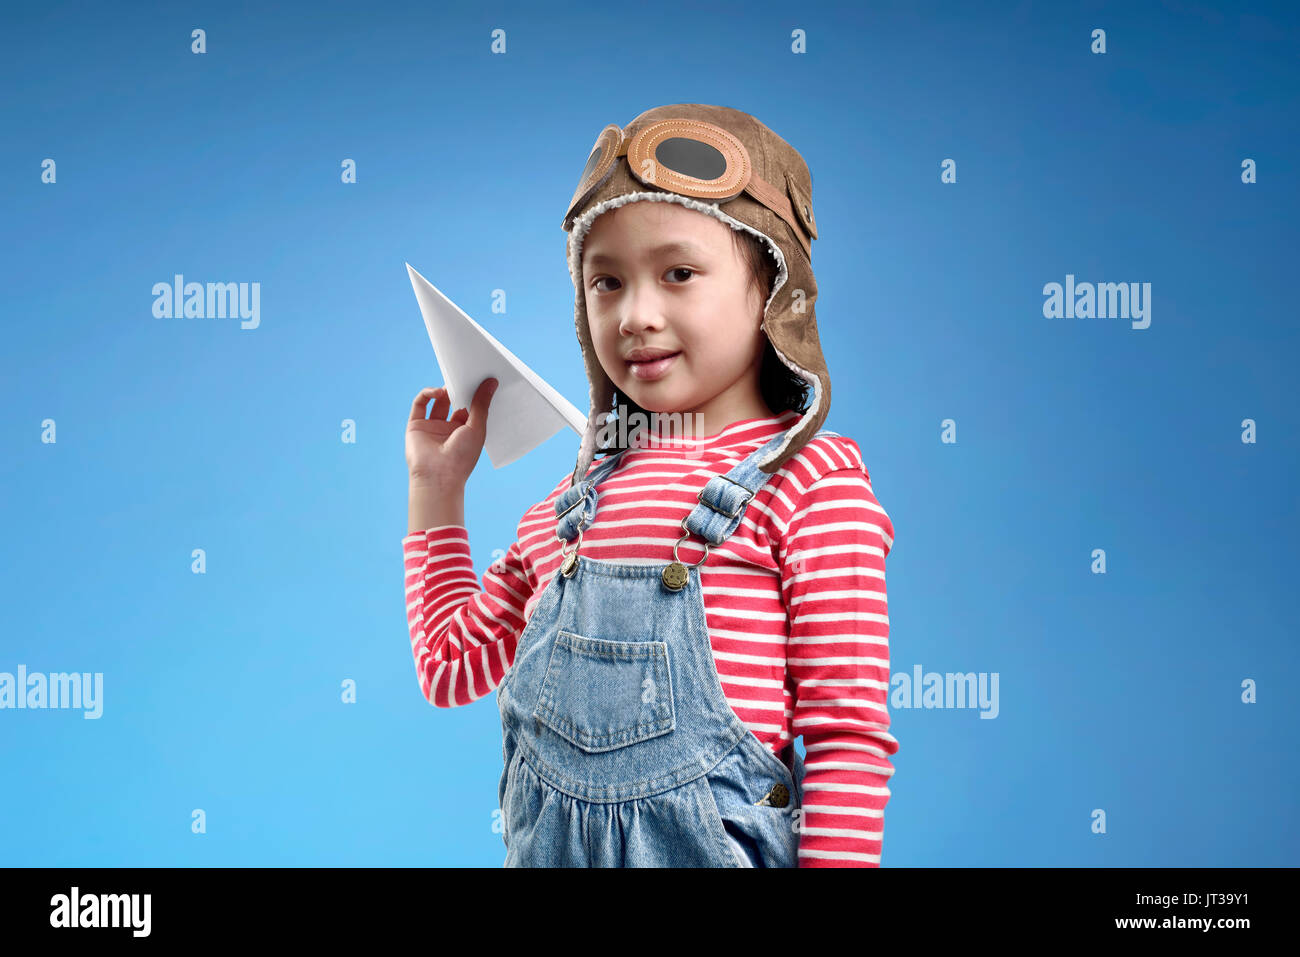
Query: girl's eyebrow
(677, 249)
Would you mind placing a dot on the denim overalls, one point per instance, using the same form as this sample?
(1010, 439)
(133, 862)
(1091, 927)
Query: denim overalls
(620, 748)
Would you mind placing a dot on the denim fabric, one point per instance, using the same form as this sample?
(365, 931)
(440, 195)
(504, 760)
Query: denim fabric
(620, 748)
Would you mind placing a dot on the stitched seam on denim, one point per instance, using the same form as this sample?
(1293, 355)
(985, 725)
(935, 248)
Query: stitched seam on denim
(655, 653)
(681, 775)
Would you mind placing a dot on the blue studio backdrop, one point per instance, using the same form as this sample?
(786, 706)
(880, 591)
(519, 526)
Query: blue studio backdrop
(1095, 514)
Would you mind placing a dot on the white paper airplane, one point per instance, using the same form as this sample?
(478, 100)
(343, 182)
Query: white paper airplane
(525, 410)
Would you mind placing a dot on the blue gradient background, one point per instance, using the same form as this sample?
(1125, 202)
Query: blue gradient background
(222, 691)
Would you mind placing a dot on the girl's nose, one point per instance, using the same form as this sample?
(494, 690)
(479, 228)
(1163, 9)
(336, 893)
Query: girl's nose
(635, 323)
(641, 313)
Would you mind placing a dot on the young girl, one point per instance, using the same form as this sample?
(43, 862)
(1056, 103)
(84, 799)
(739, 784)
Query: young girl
(673, 616)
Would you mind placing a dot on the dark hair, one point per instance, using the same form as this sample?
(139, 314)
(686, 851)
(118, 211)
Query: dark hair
(782, 388)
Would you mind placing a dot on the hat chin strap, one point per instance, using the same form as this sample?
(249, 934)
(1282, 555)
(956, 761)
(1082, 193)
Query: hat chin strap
(809, 417)
(581, 226)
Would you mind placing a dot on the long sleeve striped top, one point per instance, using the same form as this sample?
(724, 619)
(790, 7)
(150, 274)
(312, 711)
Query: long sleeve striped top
(794, 602)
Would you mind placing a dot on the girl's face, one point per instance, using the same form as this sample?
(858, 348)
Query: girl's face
(666, 279)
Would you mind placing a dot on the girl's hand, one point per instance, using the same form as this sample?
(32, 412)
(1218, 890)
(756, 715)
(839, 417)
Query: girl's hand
(440, 451)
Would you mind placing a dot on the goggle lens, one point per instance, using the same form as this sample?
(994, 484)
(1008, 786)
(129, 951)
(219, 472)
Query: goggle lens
(693, 158)
(592, 163)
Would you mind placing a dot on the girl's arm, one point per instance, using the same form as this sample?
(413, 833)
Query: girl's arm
(428, 505)
(463, 638)
(833, 577)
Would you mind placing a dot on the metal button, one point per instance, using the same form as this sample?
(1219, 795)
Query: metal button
(779, 796)
(675, 576)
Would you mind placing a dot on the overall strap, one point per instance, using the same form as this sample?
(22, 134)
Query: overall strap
(570, 517)
(724, 498)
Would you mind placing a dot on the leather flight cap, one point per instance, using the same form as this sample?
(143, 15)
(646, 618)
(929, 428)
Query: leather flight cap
(726, 164)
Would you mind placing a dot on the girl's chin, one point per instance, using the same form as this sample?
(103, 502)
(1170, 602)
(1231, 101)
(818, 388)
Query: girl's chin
(657, 391)
(653, 400)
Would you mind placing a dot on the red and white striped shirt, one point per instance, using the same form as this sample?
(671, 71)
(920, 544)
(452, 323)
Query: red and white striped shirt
(794, 602)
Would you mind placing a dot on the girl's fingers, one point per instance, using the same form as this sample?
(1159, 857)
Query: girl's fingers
(440, 403)
(420, 406)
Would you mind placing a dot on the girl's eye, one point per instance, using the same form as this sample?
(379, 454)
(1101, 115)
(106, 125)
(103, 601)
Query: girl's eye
(595, 283)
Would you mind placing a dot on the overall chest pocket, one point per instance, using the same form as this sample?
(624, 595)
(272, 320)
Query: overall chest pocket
(600, 695)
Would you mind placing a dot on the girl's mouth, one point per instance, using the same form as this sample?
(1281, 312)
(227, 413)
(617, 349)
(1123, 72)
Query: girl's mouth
(652, 368)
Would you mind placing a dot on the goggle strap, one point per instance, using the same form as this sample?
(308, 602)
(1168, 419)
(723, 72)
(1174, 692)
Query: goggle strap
(779, 203)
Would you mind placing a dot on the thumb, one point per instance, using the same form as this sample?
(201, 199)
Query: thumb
(478, 408)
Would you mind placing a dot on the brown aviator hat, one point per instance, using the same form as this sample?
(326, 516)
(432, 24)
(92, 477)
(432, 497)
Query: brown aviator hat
(728, 165)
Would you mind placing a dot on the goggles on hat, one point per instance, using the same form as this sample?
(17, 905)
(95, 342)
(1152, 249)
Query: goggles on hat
(691, 158)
